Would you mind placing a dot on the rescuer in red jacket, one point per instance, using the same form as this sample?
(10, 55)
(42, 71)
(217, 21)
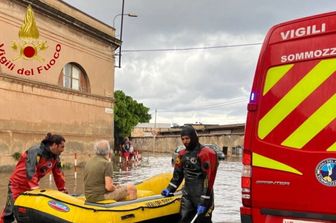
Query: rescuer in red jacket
(197, 164)
(34, 164)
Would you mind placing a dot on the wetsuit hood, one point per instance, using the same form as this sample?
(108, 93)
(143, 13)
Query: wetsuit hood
(191, 132)
(46, 152)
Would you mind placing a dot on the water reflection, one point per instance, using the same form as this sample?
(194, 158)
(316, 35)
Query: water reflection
(227, 184)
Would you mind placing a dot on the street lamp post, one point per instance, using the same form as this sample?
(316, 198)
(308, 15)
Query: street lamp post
(128, 14)
(122, 14)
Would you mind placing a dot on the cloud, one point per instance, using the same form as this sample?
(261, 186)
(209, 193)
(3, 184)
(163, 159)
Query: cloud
(188, 82)
(187, 86)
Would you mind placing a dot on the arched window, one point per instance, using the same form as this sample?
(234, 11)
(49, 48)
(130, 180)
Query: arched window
(74, 77)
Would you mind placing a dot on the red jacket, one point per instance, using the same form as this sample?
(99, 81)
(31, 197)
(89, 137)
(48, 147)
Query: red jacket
(34, 164)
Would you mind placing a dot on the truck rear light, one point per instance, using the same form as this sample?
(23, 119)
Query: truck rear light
(252, 107)
(247, 157)
(246, 196)
(246, 183)
(246, 172)
(246, 178)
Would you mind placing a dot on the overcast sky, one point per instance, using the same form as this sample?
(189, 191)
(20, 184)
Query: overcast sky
(194, 60)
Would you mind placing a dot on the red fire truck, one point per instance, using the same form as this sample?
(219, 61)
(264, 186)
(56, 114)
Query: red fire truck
(289, 157)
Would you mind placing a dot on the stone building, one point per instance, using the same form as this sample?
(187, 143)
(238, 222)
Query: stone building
(149, 129)
(161, 139)
(56, 75)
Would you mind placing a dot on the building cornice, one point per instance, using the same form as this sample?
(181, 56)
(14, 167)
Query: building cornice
(51, 87)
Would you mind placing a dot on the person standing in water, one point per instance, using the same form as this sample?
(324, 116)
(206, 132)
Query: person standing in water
(197, 165)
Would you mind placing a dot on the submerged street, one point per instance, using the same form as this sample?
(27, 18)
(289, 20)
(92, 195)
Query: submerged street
(227, 184)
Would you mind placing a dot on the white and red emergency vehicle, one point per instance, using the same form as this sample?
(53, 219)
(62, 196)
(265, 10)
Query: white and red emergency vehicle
(289, 157)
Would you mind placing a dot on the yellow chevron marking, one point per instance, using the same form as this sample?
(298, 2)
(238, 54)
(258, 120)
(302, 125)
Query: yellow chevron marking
(263, 161)
(332, 147)
(313, 125)
(274, 74)
(295, 96)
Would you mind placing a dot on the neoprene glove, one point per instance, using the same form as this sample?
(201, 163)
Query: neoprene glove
(166, 193)
(200, 209)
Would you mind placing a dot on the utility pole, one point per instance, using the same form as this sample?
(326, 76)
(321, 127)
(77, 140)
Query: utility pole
(154, 133)
(155, 118)
(121, 30)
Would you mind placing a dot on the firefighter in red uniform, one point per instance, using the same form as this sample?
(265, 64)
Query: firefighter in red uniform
(34, 164)
(197, 164)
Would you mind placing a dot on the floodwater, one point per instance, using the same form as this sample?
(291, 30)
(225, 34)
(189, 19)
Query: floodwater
(227, 184)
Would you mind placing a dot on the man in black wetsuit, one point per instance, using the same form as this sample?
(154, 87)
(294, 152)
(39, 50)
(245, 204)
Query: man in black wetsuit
(197, 164)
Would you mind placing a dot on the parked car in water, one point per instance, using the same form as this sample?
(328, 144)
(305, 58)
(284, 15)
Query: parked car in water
(216, 148)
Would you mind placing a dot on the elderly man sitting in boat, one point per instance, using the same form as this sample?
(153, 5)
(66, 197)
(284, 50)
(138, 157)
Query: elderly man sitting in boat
(98, 178)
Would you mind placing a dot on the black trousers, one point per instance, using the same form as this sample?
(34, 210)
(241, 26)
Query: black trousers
(189, 210)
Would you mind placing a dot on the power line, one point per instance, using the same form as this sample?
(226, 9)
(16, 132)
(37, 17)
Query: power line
(191, 48)
(234, 101)
(220, 105)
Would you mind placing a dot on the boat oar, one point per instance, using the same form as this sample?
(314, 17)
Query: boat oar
(194, 219)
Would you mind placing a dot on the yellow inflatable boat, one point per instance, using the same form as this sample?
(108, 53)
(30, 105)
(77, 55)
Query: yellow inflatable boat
(46, 206)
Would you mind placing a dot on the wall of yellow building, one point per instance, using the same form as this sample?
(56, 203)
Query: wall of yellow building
(33, 100)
